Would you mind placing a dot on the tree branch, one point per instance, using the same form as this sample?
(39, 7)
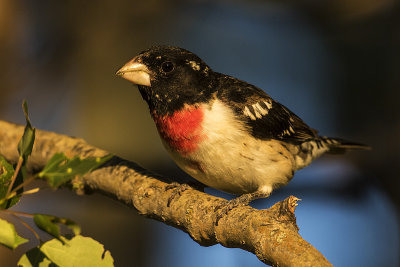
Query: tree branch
(271, 234)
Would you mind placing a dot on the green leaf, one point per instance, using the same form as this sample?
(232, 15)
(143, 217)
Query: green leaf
(34, 258)
(10, 201)
(50, 224)
(25, 145)
(8, 235)
(6, 173)
(61, 169)
(79, 251)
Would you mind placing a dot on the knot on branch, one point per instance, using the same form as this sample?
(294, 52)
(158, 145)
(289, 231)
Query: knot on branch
(285, 210)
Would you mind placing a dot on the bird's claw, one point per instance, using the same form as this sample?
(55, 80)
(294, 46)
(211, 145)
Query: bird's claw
(226, 207)
(180, 188)
(242, 200)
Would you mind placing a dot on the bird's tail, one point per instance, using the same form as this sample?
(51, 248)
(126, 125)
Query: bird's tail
(310, 150)
(339, 146)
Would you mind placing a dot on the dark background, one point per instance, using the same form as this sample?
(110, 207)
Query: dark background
(336, 64)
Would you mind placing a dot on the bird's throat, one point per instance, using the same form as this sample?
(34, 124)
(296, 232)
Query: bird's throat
(181, 130)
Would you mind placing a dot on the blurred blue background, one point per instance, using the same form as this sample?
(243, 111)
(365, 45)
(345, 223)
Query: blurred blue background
(336, 64)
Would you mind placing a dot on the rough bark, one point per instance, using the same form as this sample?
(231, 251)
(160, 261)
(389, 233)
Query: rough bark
(271, 234)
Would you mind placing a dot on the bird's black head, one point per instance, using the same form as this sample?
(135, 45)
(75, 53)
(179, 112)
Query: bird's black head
(169, 77)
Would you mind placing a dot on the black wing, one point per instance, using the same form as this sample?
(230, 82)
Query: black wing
(265, 117)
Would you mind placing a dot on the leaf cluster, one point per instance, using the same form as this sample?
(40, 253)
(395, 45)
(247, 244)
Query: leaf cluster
(74, 250)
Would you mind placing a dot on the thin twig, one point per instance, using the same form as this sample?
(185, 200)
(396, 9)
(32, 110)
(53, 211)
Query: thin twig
(25, 183)
(17, 213)
(30, 192)
(27, 226)
(19, 164)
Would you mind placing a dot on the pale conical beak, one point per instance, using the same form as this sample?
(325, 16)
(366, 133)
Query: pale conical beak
(135, 72)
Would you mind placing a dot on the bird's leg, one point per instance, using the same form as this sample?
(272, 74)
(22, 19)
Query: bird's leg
(241, 200)
(180, 188)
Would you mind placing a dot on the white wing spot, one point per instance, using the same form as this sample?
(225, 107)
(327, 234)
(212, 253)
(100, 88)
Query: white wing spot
(260, 109)
(248, 113)
(256, 112)
(194, 65)
(268, 104)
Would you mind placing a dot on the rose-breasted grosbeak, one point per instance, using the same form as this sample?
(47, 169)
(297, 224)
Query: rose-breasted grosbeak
(224, 132)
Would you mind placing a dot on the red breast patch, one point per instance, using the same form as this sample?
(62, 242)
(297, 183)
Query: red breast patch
(182, 129)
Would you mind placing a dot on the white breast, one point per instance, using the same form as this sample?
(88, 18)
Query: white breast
(231, 160)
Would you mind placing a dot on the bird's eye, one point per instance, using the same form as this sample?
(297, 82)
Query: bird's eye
(167, 66)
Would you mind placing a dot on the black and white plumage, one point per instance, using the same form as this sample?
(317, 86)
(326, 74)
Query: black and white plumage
(224, 132)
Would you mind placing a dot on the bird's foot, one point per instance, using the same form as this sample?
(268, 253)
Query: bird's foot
(241, 200)
(180, 188)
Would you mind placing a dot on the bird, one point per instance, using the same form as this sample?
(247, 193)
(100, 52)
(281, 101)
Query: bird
(224, 132)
